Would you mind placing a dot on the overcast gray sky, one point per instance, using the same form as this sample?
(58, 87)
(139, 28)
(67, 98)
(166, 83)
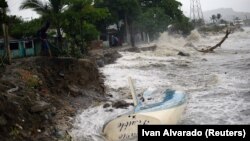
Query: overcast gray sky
(14, 10)
(237, 5)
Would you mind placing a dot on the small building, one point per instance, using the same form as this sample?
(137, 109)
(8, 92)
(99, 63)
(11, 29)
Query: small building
(19, 48)
(238, 22)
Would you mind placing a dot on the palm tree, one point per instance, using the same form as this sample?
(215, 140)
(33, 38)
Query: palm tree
(3, 8)
(218, 16)
(50, 10)
(213, 18)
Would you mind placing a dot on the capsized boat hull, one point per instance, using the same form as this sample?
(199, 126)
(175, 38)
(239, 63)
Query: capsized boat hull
(126, 126)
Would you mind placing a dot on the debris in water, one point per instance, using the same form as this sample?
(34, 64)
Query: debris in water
(106, 105)
(120, 104)
(183, 54)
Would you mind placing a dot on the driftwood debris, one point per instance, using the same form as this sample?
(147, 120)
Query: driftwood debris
(211, 49)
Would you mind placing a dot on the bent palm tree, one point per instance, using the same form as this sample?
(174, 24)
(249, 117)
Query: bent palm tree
(50, 10)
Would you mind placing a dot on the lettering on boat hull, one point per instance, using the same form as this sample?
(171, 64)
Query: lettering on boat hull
(126, 127)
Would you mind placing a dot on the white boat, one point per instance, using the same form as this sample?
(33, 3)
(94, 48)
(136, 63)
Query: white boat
(166, 112)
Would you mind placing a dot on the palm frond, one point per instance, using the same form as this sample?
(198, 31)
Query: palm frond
(32, 4)
(57, 5)
(36, 5)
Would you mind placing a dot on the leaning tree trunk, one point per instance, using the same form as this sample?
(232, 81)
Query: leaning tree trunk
(212, 48)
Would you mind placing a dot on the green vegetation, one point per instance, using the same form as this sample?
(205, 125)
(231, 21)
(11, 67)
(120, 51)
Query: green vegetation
(154, 25)
(75, 23)
(14, 132)
(183, 25)
(20, 28)
(125, 10)
(3, 6)
(50, 10)
(80, 29)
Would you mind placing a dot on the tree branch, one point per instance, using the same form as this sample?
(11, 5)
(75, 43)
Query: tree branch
(211, 49)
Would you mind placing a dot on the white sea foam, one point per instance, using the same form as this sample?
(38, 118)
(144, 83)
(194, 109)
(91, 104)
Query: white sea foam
(217, 84)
